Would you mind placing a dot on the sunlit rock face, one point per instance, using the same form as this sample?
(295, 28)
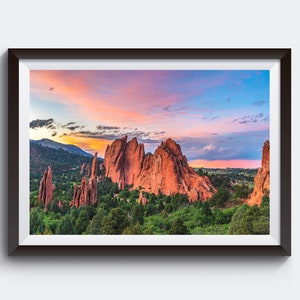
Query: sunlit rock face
(46, 188)
(262, 178)
(86, 192)
(166, 171)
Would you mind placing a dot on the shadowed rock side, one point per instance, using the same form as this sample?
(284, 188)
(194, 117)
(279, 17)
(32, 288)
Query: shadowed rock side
(85, 170)
(86, 193)
(262, 178)
(166, 171)
(46, 188)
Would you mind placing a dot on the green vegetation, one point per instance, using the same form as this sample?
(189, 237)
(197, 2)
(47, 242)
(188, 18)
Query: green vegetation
(118, 212)
(251, 219)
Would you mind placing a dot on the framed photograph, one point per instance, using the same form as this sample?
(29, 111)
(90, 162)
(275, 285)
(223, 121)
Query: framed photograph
(155, 152)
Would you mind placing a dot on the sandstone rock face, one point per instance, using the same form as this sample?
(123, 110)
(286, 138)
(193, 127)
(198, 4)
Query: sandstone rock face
(46, 188)
(142, 199)
(114, 164)
(166, 171)
(86, 193)
(124, 160)
(134, 155)
(262, 178)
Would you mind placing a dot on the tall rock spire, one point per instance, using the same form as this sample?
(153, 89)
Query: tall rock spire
(262, 178)
(46, 187)
(86, 192)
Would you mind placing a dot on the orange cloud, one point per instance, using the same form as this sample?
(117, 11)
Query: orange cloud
(90, 145)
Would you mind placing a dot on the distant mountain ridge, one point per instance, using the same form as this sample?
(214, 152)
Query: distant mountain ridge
(60, 157)
(56, 145)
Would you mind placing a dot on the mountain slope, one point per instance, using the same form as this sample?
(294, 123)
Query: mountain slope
(67, 147)
(60, 160)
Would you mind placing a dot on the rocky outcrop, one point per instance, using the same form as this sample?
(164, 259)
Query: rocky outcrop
(124, 160)
(86, 192)
(262, 178)
(166, 171)
(85, 170)
(46, 188)
(142, 199)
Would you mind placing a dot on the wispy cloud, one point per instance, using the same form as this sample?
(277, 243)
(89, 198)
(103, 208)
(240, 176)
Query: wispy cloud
(104, 127)
(252, 118)
(260, 102)
(72, 128)
(34, 124)
(111, 133)
(68, 124)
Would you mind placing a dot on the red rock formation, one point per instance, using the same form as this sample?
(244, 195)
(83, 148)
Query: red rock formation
(125, 161)
(86, 193)
(85, 170)
(142, 199)
(262, 178)
(115, 160)
(166, 171)
(46, 188)
(133, 160)
(92, 188)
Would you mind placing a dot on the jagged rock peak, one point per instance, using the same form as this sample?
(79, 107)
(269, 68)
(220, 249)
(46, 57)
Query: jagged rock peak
(46, 187)
(166, 171)
(94, 167)
(171, 146)
(86, 192)
(262, 178)
(123, 160)
(265, 161)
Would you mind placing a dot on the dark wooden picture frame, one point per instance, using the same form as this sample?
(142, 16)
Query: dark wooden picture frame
(284, 58)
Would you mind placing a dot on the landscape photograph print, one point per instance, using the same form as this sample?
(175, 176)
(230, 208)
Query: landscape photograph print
(149, 152)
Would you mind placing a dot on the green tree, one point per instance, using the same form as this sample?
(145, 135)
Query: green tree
(137, 214)
(178, 227)
(74, 213)
(90, 210)
(241, 191)
(82, 222)
(134, 229)
(37, 225)
(148, 230)
(53, 206)
(115, 222)
(250, 220)
(66, 226)
(47, 231)
(220, 217)
(94, 226)
(220, 197)
(265, 201)
(241, 222)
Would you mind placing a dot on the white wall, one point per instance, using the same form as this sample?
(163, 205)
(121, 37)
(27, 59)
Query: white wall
(136, 23)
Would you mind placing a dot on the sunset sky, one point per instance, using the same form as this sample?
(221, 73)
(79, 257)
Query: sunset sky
(219, 118)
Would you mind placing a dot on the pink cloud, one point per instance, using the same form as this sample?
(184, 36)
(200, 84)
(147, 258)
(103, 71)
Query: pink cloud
(234, 163)
(98, 99)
